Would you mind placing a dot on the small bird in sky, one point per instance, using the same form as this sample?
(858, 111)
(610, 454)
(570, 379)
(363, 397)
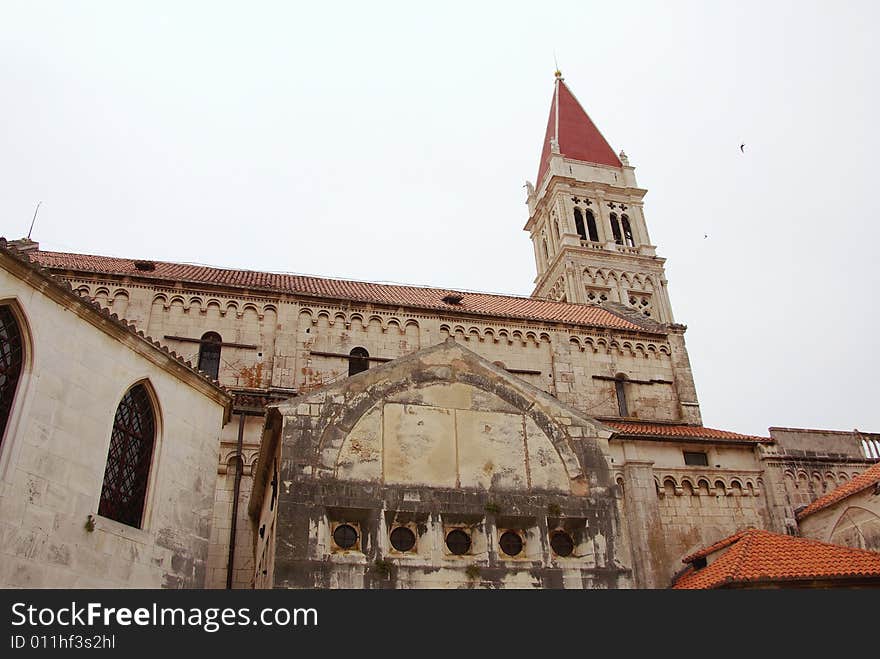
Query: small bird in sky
(705, 235)
(742, 148)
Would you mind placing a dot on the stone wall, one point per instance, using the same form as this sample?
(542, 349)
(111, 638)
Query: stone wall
(289, 344)
(853, 522)
(52, 460)
(437, 441)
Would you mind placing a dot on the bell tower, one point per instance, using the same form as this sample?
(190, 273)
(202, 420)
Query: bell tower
(586, 219)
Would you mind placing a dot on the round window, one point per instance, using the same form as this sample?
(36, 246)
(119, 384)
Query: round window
(458, 542)
(403, 539)
(345, 536)
(511, 543)
(561, 543)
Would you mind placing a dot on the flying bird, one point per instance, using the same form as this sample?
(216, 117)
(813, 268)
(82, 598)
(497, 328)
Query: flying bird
(742, 148)
(705, 235)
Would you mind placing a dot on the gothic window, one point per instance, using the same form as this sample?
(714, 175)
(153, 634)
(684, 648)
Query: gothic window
(11, 358)
(627, 231)
(597, 295)
(546, 252)
(615, 229)
(209, 354)
(591, 227)
(128, 460)
(358, 360)
(620, 389)
(556, 227)
(579, 223)
(640, 302)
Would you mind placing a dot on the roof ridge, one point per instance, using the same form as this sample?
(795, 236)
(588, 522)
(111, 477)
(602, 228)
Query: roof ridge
(128, 326)
(858, 483)
(404, 295)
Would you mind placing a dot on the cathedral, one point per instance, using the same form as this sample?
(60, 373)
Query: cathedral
(182, 426)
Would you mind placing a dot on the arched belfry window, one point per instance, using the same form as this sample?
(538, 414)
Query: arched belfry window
(546, 252)
(128, 460)
(209, 354)
(358, 360)
(11, 360)
(620, 390)
(579, 223)
(591, 227)
(615, 229)
(627, 231)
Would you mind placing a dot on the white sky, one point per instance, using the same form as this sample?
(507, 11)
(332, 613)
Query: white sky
(390, 142)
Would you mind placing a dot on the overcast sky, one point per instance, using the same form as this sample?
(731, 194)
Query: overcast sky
(390, 142)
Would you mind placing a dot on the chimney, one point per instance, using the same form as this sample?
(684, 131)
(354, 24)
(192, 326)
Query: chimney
(24, 244)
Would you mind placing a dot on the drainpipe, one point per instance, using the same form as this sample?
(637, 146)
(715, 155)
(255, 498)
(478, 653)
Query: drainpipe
(236, 492)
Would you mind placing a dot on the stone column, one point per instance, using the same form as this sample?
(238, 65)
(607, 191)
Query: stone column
(643, 522)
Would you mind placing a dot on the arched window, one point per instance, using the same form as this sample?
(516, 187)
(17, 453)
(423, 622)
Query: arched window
(128, 460)
(358, 360)
(591, 227)
(620, 389)
(556, 226)
(11, 359)
(615, 229)
(546, 252)
(579, 223)
(627, 231)
(209, 354)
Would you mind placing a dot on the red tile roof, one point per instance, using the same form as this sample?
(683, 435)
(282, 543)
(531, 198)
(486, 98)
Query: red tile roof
(673, 431)
(414, 296)
(756, 556)
(579, 139)
(857, 484)
(93, 307)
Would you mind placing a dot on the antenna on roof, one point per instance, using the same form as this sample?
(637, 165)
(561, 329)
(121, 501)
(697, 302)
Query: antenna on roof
(34, 220)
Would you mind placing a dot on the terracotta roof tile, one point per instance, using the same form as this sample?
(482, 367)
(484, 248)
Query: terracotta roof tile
(37, 266)
(857, 484)
(414, 296)
(711, 549)
(757, 556)
(673, 431)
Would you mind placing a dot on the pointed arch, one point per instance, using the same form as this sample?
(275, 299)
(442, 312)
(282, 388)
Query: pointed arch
(615, 229)
(15, 363)
(592, 230)
(579, 223)
(129, 462)
(628, 238)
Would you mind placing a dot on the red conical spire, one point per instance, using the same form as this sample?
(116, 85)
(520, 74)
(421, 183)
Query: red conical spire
(577, 135)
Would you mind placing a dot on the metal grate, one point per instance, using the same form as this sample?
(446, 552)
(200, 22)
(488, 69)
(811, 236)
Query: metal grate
(561, 543)
(10, 363)
(403, 539)
(345, 536)
(458, 542)
(129, 457)
(510, 543)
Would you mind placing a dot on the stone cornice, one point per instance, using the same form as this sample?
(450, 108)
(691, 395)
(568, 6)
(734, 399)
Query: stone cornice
(126, 333)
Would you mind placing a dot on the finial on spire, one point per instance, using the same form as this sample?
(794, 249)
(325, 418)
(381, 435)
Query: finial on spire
(557, 73)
